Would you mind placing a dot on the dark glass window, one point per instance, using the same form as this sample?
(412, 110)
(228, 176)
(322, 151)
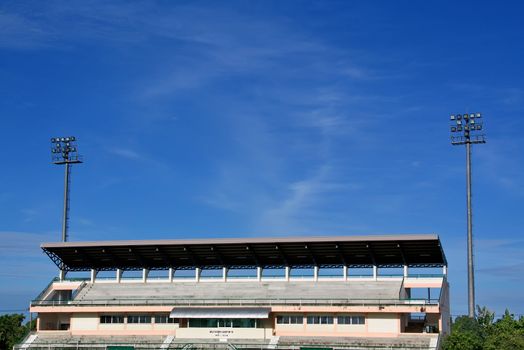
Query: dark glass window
(111, 319)
(222, 323)
(320, 319)
(138, 319)
(165, 319)
(290, 319)
(351, 320)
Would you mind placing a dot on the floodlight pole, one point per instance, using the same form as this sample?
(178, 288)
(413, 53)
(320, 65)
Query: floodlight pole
(64, 152)
(467, 125)
(471, 270)
(65, 216)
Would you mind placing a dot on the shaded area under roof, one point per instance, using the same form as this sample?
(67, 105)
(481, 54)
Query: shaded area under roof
(353, 251)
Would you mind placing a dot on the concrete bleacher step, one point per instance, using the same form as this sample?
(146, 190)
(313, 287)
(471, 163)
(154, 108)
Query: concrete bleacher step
(167, 342)
(357, 290)
(28, 341)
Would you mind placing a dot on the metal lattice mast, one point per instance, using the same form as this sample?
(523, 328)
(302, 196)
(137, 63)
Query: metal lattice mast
(64, 151)
(466, 130)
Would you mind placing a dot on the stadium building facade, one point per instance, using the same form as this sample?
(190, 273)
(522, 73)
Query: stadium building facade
(323, 292)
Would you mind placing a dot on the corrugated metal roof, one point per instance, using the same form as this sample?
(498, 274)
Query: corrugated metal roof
(353, 251)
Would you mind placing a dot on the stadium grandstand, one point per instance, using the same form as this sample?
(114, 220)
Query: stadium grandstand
(350, 292)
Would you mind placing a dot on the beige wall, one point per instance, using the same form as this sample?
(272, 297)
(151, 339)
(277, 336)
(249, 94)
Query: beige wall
(84, 322)
(383, 323)
(111, 326)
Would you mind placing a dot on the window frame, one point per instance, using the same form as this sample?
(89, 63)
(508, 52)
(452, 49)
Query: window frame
(168, 320)
(113, 319)
(320, 319)
(290, 319)
(140, 319)
(351, 320)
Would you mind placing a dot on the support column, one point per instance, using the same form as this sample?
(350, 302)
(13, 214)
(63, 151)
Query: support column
(170, 277)
(445, 270)
(406, 271)
(315, 273)
(345, 272)
(93, 275)
(375, 270)
(62, 275)
(145, 272)
(259, 273)
(197, 274)
(286, 273)
(224, 273)
(118, 275)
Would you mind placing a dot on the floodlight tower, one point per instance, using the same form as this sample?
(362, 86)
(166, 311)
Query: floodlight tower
(466, 129)
(64, 151)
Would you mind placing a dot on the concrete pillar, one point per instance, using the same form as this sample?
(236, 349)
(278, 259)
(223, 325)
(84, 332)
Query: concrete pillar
(62, 275)
(197, 274)
(93, 275)
(118, 275)
(259, 273)
(170, 277)
(445, 270)
(145, 272)
(224, 273)
(375, 272)
(345, 272)
(406, 271)
(287, 273)
(315, 273)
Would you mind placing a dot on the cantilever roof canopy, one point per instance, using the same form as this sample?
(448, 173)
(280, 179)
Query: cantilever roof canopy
(353, 251)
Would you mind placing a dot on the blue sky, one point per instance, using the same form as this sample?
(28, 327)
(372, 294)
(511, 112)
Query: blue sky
(262, 118)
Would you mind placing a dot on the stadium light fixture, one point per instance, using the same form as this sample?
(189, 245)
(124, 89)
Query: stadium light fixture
(65, 152)
(465, 130)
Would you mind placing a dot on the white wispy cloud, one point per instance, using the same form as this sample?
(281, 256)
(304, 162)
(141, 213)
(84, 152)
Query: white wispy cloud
(497, 163)
(127, 153)
(23, 244)
(19, 32)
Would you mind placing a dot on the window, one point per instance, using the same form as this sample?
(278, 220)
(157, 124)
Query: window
(165, 319)
(111, 319)
(290, 320)
(222, 323)
(320, 319)
(351, 320)
(138, 319)
(358, 320)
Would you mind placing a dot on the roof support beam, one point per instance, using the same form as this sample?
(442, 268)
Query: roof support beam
(371, 254)
(282, 255)
(112, 256)
(219, 256)
(311, 255)
(403, 256)
(86, 257)
(168, 261)
(341, 254)
(192, 257)
(138, 257)
(56, 259)
(253, 255)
